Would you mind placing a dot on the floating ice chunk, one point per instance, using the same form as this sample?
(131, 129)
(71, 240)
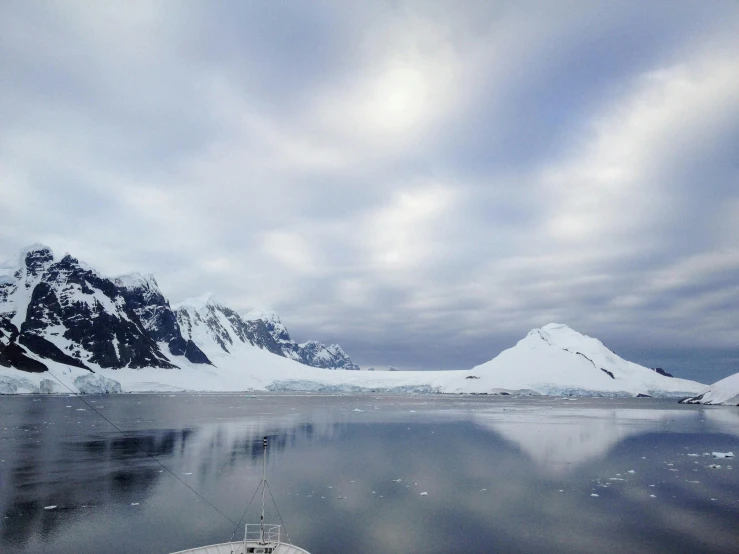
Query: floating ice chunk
(694, 455)
(188, 473)
(652, 496)
(397, 480)
(714, 466)
(424, 494)
(722, 454)
(357, 410)
(50, 507)
(631, 471)
(134, 503)
(594, 495)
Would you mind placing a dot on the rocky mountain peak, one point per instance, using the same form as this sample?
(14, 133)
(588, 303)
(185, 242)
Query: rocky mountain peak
(36, 258)
(312, 352)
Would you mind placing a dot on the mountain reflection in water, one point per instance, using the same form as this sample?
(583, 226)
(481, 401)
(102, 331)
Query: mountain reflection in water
(502, 475)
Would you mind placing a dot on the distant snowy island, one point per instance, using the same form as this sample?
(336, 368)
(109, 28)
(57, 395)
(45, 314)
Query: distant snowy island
(65, 327)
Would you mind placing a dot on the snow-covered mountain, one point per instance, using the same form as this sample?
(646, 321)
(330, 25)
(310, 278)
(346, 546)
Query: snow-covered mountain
(725, 391)
(64, 311)
(219, 329)
(142, 293)
(558, 360)
(312, 353)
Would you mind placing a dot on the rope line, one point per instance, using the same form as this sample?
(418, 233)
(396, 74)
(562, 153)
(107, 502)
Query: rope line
(148, 453)
(278, 513)
(244, 514)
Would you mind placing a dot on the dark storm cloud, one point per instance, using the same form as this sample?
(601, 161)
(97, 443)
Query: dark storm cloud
(421, 182)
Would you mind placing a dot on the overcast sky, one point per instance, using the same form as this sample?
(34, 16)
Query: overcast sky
(421, 182)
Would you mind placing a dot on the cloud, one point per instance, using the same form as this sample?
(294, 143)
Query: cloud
(421, 182)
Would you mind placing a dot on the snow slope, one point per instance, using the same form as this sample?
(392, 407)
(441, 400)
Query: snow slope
(725, 391)
(560, 361)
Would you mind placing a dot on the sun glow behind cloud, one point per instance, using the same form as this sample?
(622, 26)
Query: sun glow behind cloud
(431, 177)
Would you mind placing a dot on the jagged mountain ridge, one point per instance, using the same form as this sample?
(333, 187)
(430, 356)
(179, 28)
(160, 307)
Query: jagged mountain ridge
(205, 320)
(143, 294)
(66, 312)
(312, 353)
(211, 324)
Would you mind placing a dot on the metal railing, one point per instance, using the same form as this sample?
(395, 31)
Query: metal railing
(252, 533)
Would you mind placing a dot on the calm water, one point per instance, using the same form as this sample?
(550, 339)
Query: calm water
(502, 474)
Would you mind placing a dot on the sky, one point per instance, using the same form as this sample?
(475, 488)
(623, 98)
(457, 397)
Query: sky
(420, 182)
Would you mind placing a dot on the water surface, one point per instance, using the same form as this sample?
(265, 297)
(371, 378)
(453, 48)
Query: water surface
(501, 474)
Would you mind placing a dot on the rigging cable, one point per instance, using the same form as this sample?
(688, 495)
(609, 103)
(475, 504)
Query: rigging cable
(278, 513)
(244, 514)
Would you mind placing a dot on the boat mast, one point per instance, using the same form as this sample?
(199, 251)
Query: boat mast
(264, 487)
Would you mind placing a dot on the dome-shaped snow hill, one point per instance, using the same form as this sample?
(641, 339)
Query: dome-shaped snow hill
(558, 360)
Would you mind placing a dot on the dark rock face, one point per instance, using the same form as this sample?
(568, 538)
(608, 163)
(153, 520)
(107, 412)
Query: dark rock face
(607, 373)
(312, 353)
(142, 294)
(68, 313)
(45, 349)
(315, 354)
(208, 318)
(37, 260)
(211, 315)
(255, 332)
(14, 355)
(661, 371)
(194, 354)
(95, 315)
